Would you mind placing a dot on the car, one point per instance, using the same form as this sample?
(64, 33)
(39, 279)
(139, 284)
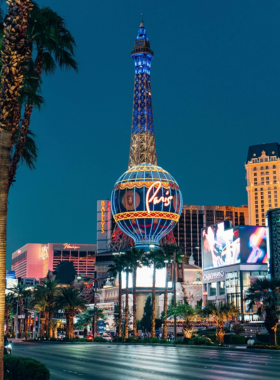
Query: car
(60, 336)
(79, 334)
(90, 337)
(107, 337)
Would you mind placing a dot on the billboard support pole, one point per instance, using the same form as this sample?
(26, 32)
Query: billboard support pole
(174, 292)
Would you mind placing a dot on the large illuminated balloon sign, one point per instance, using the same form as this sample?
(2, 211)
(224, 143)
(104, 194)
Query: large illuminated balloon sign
(146, 204)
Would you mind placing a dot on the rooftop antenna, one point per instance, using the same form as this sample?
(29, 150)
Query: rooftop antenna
(142, 19)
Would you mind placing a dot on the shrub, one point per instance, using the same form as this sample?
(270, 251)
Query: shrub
(18, 368)
(53, 339)
(237, 339)
(178, 341)
(238, 328)
(118, 339)
(198, 340)
(186, 340)
(131, 340)
(99, 339)
(154, 340)
(211, 336)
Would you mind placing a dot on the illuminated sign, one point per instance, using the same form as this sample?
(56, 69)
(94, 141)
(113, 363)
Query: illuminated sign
(213, 276)
(103, 217)
(70, 246)
(44, 252)
(155, 199)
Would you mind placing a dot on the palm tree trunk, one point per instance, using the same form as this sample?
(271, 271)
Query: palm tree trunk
(13, 56)
(71, 326)
(153, 322)
(120, 304)
(134, 304)
(47, 324)
(50, 323)
(165, 308)
(220, 332)
(67, 325)
(126, 308)
(5, 138)
(272, 336)
(188, 329)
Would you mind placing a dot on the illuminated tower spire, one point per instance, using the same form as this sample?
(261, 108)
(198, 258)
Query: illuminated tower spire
(142, 143)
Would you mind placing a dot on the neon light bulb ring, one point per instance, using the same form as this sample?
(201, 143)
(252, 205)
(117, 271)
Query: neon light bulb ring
(146, 204)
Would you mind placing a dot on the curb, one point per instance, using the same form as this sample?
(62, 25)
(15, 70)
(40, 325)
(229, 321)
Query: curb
(164, 345)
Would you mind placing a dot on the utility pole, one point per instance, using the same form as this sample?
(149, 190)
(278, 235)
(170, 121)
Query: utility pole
(174, 292)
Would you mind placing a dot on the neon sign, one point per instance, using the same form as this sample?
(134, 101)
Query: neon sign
(103, 217)
(70, 246)
(44, 252)
(155, 199)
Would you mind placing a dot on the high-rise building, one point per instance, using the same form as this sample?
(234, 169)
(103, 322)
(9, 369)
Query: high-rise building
(263, 176)
(34, 260)
(194, 217)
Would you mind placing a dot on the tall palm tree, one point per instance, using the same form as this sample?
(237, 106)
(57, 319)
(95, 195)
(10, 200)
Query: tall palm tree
(168, 256)
(87, 318)
(127, 263)
(10, 303)
(156, 260)
(40, 304)
(13, 56)
(136, 257)
(69, 299)
(19, 292)
(53, 46)
(49, 290)
(220, 314)
(266, 293)
(115, 270)
(188, 313)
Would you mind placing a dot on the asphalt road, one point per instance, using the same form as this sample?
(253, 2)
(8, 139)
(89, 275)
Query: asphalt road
(116, 362)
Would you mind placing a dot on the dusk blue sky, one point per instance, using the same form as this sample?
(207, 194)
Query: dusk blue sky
(216, 90)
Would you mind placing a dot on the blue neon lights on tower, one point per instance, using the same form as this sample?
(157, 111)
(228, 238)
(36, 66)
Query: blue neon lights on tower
(142, 146)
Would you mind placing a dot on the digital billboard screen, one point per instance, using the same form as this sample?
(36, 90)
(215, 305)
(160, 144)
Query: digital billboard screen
(144, 278)
(242, 244)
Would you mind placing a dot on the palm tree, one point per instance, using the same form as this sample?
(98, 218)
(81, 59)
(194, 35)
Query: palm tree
(19, 292)
(53, 46)
(168, 255)
(69, 299)
(128, 268)
(40, 304)
(188, 313)
(10, 303)
(220, 314)
(87, 318)
(116, 269)
(136, 257)
(49, 290)
(266, 293)
(156, 259)
(14, 54)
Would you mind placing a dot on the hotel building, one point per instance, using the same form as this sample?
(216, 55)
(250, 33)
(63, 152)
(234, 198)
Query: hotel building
(34, 260)
(263, 176)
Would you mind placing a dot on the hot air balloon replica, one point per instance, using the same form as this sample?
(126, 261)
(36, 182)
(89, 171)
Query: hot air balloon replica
(146, 204)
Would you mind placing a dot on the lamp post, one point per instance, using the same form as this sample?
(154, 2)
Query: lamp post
(198, 261)
(174, 292)
(95, 309)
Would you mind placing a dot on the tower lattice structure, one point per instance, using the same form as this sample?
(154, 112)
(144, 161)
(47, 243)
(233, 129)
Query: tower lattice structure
(142, 143)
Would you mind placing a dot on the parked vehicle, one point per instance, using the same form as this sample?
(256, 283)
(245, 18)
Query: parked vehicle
(78, 333)
(107, 337)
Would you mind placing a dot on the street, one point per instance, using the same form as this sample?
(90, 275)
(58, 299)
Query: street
(98, 362)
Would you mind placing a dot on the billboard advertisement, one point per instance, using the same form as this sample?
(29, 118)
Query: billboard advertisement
(242, 244)
(145, 278)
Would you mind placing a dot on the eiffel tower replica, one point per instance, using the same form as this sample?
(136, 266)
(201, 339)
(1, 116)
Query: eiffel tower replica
(142, 142)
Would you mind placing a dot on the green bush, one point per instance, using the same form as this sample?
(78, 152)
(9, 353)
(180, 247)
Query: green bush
(198, 340)
(53, 339)
(178, 341)
(154, 340)
(118, 339)
(237, 339)
(186, 340)
(18, 368)
(99, 339)
(131, 340)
